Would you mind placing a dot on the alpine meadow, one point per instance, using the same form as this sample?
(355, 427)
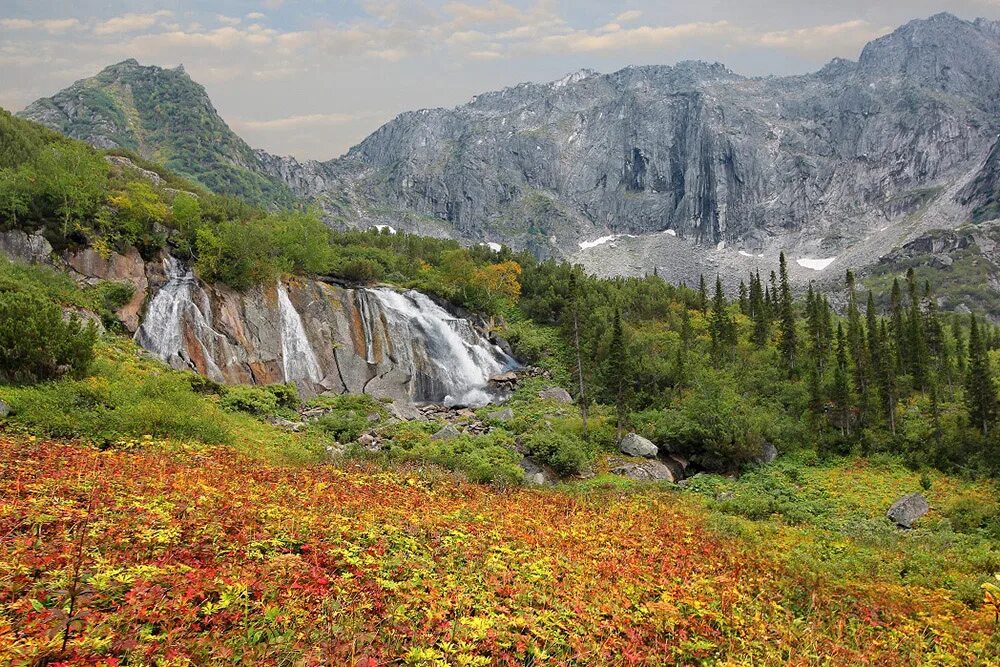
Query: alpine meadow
(673, 365)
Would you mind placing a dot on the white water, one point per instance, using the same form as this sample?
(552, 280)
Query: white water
(455, 358)
(162, 331)
(297, 356)
(366, 325)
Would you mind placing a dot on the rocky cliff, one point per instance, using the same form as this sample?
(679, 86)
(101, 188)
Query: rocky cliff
(846, 163)
(325, 338)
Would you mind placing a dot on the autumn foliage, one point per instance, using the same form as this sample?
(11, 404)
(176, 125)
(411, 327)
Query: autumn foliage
(174, 555)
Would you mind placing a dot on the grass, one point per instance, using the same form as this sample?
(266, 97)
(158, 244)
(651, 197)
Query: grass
(127, 396)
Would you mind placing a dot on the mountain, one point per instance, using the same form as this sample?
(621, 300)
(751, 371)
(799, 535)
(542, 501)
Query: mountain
(849, 162)
(164, 116)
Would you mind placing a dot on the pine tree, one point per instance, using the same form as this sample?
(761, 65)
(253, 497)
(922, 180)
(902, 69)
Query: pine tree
(759, 312)
(980, 394)
(856, 338)
(786, 318)
(721, 326)
(702, 294)
(840, 393)
(615, 373)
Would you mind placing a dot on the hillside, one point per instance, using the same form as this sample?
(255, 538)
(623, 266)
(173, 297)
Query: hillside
(193, 554)
(165, 117)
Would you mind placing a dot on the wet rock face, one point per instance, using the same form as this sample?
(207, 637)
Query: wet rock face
(322, 337)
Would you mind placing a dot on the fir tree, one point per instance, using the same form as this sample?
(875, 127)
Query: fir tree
(898, 339)
(615, 374)
(840, 393)
(744, 299)
(980, 394)
(786, 318)
(574, 295)
(759, 312)
(721, 326)
(702, 294)
(915, 337)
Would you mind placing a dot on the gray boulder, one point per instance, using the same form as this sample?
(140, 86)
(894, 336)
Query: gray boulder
(504, 415)
(905, 511)
(557, 394)
(768, 453)
(31, 248)
(536, 474)
(647, 471)
(4, 409)
(636, 445)
(449, 432)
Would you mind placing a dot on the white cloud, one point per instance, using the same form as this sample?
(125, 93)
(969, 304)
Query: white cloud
(645, 37)
(48, 25)
(256, 16)
(629, 16)
(130, 22)
(228, 20)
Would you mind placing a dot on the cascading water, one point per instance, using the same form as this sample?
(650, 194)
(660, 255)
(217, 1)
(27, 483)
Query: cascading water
(162, 330)
(297, 356)
(446, 354)
(366, 325)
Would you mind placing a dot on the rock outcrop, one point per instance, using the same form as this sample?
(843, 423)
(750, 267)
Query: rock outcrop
(398, 345)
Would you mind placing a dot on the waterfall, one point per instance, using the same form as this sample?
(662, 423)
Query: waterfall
(447, 356)
(366, 326)
(297, 356)
(162, 330)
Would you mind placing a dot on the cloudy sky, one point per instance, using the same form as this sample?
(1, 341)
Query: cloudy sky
(310, 78)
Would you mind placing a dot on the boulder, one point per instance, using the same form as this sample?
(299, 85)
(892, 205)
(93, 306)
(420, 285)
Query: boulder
(535, 473)
(404, 411)
(31, 248)
(905, 511)
(648, 471)
(768, 453)
(504, 415)
(4, 409)
(557, 394)
(636, 445)
(449, 432)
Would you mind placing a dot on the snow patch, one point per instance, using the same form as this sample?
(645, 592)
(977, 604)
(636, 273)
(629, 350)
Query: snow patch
(495, 247)
(670, 232)
(382, 228)
(745, 253)
(815, 264)
(587, 245)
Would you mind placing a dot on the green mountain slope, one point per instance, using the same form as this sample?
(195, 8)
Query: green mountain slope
(164, 116)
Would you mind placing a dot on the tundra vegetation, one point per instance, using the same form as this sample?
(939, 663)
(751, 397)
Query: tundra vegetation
(152, 517)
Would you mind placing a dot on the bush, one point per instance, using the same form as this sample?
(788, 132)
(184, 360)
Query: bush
(348, 414)
(257, 401)
(486, 458)
(564, 451)
(37, 344)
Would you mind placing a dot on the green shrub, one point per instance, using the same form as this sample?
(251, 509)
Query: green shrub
(36, 343)
(257, 401)
(486, 458)
(566, 452)
(348, 414)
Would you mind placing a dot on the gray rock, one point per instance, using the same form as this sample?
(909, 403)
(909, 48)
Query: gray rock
(404, 411)
(905, 511)
(557, 394)
(374, 417)
(634, 444)
(769, 453)
(20, 246)
(536, 474)
(646, 471)
(4, 409)
(504, 415)
(449, 432)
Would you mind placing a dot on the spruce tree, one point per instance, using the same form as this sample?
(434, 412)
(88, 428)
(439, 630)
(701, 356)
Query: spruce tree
(702, 294)
(856, 342)
(615, 373)
(840, 393)
(744, 299)
(786, 318)
(582, 399)
(980, 394)
(721, 326)
(898, 340)
(915, 337)
(887, 376)
(759, 310)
